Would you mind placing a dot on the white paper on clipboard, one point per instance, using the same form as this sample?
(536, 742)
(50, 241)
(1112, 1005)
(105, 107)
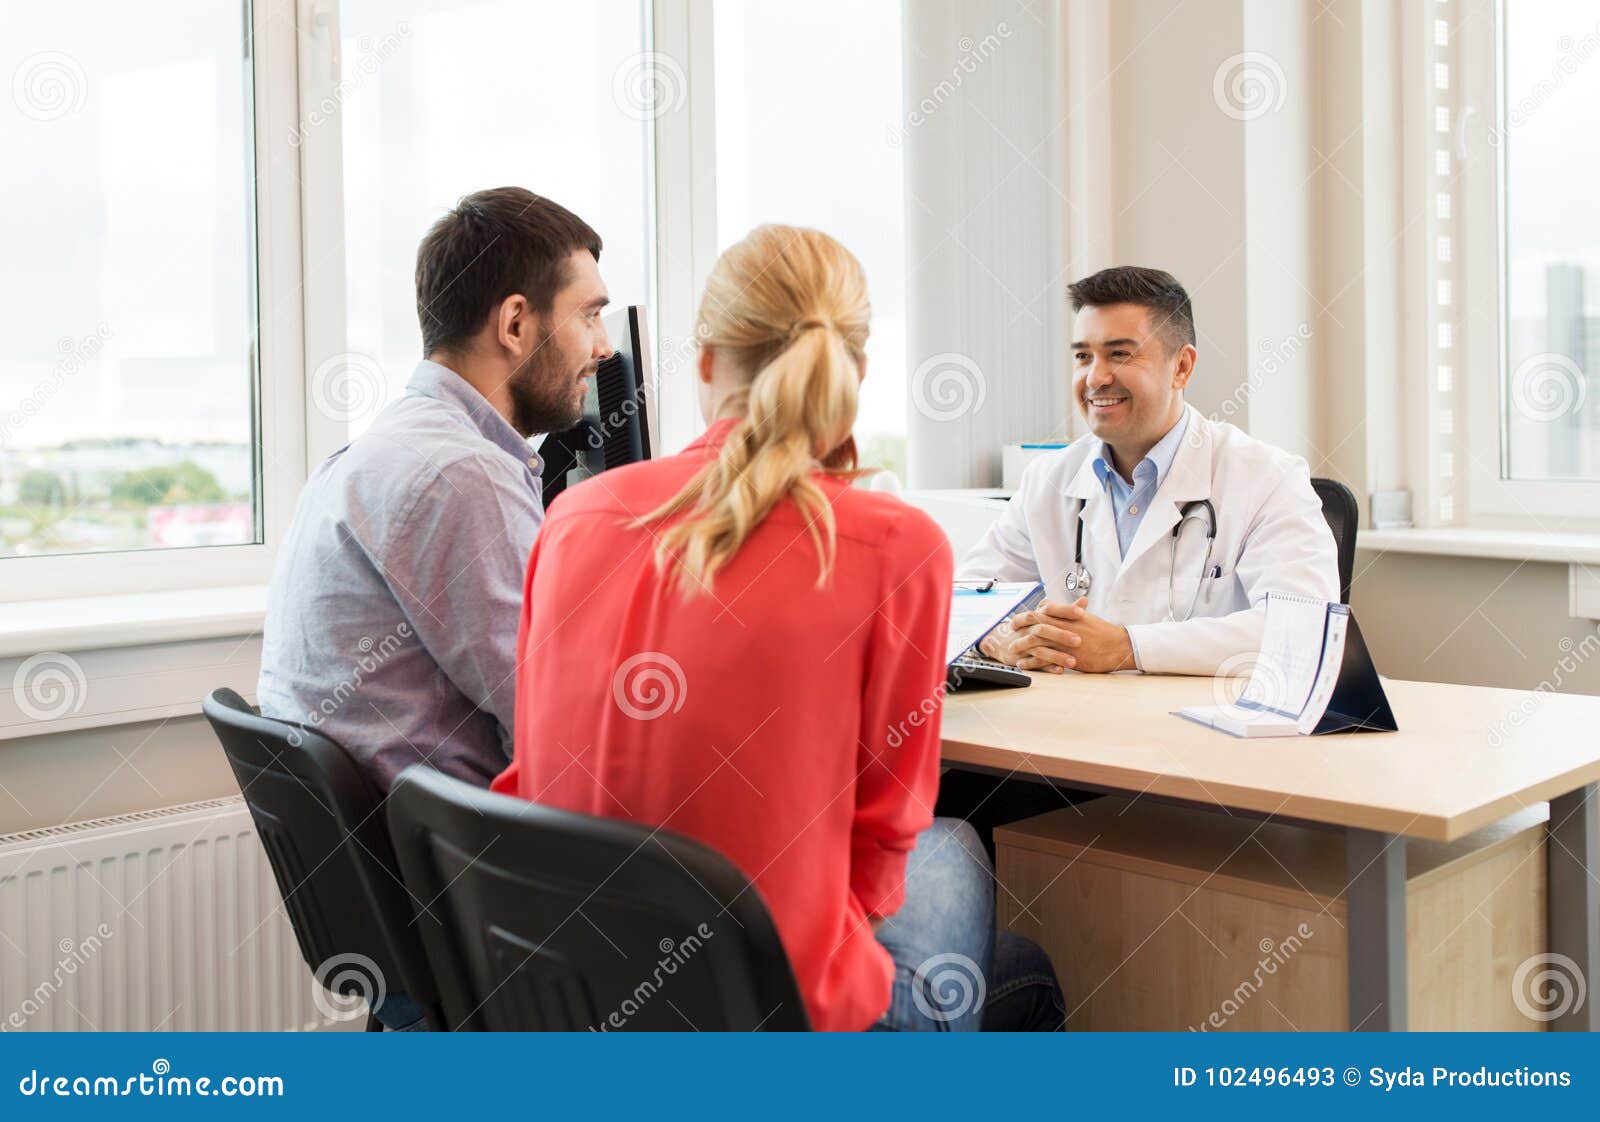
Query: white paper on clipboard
(975, 612)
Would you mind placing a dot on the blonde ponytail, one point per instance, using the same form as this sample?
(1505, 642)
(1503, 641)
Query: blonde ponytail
(789, 306)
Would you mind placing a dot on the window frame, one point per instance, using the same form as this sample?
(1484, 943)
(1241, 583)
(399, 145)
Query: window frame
(298, 218)
(674, 161)
(279, 457)
(1484, 352)
(685, 209)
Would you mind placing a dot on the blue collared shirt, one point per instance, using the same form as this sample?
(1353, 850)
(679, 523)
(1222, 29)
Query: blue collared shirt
(393, 612)
(1129, 501)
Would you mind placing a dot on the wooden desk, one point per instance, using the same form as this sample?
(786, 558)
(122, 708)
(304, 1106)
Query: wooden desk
(1465, 757)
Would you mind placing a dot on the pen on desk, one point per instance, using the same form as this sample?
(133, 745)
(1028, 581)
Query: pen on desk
(977, 585)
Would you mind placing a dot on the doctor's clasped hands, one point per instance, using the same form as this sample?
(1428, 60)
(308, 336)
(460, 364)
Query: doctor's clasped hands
(1057, 637)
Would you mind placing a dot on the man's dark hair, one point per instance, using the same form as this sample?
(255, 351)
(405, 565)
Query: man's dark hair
(494, 244)
(1170, 312)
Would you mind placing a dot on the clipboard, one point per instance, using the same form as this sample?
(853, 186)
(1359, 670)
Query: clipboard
(977, 608)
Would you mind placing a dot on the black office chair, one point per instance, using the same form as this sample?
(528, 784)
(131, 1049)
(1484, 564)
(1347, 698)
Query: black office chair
(320, 821)
(1339, 507)
(550, 920)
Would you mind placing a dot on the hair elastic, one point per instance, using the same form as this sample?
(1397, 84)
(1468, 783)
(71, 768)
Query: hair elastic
(808, 323)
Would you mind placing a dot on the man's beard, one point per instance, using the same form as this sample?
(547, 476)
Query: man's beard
(544, 396)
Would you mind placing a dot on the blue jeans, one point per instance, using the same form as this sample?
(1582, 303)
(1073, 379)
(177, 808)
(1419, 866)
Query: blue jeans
(398, 1013)
(953, 971)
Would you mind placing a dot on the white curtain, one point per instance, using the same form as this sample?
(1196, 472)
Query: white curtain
(984, 205)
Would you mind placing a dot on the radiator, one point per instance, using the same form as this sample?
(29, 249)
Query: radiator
(167, 919)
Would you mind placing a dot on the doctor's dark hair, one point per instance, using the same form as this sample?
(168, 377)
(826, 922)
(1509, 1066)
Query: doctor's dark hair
(1159, 292)
(496, 243)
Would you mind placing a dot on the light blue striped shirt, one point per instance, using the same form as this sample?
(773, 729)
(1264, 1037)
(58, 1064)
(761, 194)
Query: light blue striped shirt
(1129, 501)
(392, 617)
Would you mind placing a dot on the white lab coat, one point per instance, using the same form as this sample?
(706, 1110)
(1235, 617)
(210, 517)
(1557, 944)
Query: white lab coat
(1271, 537)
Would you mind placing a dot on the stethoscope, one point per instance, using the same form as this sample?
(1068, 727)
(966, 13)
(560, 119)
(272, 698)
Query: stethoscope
(1078, 578)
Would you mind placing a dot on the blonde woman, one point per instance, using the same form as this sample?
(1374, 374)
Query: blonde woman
(735, 644)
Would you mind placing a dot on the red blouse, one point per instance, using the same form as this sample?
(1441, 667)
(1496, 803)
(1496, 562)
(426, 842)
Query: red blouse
(786, 726)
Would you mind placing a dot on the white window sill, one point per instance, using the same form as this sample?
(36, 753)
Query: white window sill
(1505, 545)
(99, 622)
(111, 660)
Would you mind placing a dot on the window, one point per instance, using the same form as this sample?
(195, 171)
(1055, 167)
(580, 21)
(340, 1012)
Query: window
(1512, 247)
(221, 210)
(1550, 102)
(128, 377)
(439, 99)
(797, 147)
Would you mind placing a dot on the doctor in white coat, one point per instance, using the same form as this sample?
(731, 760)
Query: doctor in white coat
(1159, 537)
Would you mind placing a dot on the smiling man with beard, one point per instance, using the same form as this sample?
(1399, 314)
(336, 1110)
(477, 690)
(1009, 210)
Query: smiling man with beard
(392, 618)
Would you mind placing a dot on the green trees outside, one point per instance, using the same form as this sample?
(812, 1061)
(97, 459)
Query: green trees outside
(184, 482)
(40, 487)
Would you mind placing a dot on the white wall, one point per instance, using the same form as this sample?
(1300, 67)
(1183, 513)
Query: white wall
(1178, 173)
(983, 212)
(1226, 201)
(1475, 621)
(1282, 214)
(72, 776)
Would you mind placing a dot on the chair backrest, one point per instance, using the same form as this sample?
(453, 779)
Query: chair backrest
(550, 920)
(321, 822)
(1344, 519)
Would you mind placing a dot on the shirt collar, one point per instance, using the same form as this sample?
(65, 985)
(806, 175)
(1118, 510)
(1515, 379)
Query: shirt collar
(430, 379)
(1159, 459)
